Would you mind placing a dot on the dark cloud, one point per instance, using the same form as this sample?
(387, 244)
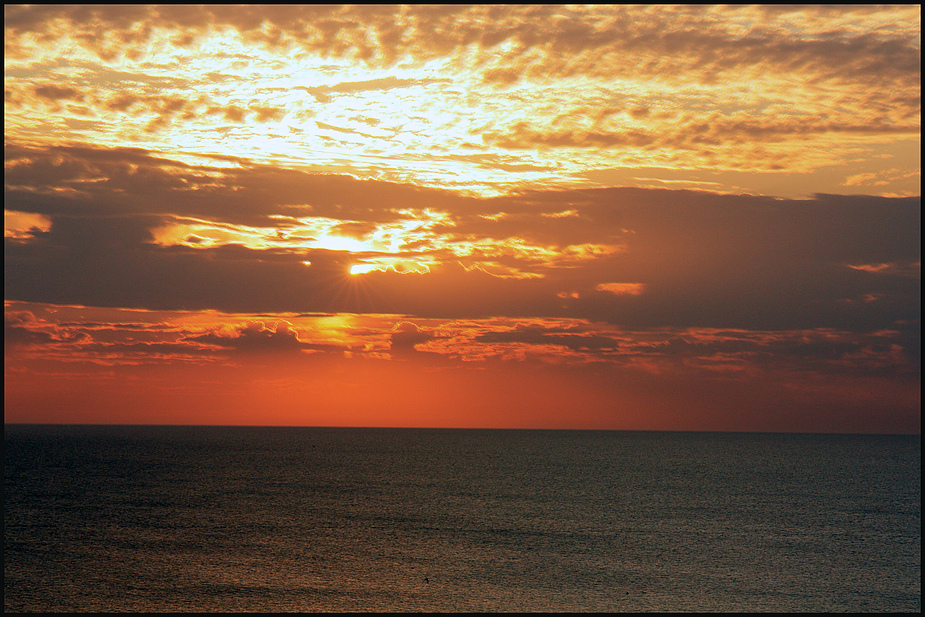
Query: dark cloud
(698, 259)
(17, 333)
(257, 338)
(129, 181)
(58, 92)
(405, 337)
(23, 329)
(539, 335)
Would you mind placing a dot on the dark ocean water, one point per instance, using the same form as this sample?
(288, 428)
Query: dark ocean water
(315, 519)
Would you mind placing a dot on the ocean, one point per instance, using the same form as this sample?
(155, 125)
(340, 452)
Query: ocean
(221, 519)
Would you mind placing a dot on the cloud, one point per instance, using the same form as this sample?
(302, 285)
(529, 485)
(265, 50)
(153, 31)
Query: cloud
(219, 367)
(808, 39)
(232, 113)
(188, 351)
(255, 337)
(267, 113)
(323, 93)
(693, 132)
(22, 329)
(547, 91)
(907, 269)
(698, 258)
(535, 334)
(126, 180)
(620, 289)
(58, 92)
(17, 331)
(404, 340)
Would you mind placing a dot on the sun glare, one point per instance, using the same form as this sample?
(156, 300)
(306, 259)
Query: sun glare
(356, 269)
(340, 243)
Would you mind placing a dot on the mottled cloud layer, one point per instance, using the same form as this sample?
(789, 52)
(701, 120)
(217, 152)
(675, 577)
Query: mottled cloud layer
(486, 96)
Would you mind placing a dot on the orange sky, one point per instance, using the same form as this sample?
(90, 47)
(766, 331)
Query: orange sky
(611, 217)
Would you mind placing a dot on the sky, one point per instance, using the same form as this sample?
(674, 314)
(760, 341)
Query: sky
(702, 218)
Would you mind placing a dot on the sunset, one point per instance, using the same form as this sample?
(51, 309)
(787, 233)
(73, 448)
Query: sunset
(446, 308)
(671, 217)
(580, 218)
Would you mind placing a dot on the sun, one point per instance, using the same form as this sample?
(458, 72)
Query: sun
(357, 269)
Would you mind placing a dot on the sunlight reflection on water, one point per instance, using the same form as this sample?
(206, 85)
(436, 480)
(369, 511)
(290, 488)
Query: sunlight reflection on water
(269, 519)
